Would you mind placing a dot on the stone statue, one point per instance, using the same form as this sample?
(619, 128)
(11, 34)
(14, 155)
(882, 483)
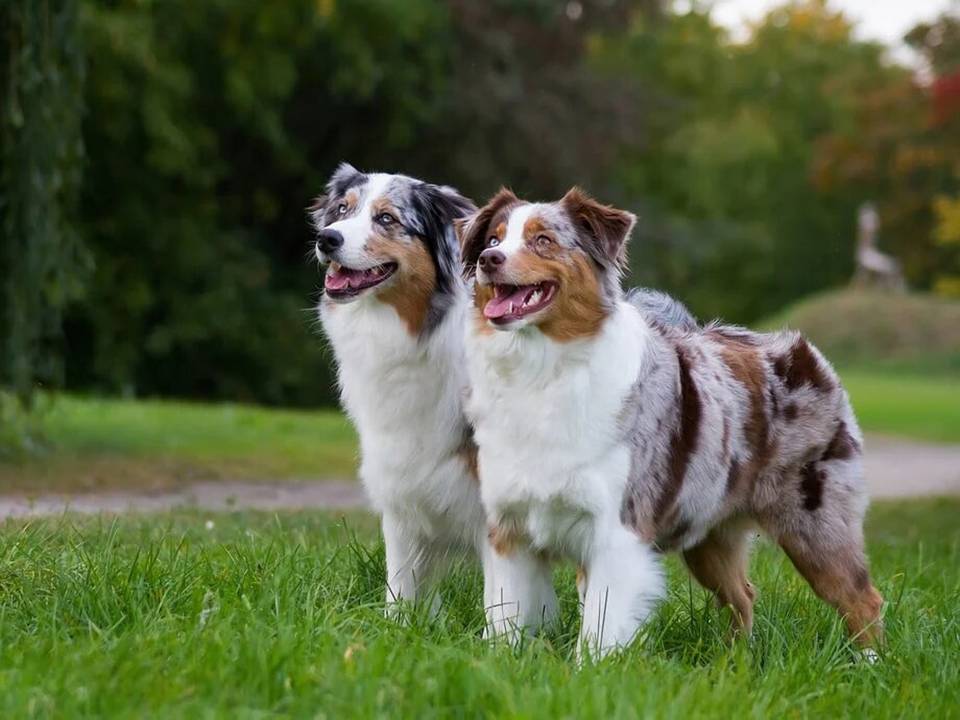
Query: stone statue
(874, 268)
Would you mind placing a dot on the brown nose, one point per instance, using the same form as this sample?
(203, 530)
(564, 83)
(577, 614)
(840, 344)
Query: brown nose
(491, 259)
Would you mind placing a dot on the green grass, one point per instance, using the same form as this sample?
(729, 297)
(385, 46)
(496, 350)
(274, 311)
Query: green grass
(99, 443)
(150, 443)
(281, 616)
(918, 407)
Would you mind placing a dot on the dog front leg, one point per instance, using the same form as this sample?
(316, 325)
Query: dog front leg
(408, 565)
(518, 592)
(623, 583)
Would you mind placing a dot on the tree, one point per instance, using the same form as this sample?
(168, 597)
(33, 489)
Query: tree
(41, 261)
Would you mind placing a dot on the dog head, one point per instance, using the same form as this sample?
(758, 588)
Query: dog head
(389, 238)
(554, 265)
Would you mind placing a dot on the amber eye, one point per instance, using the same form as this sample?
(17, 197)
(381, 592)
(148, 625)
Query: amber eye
(386, 219)
(493, 241)
(543, 241)
(341, 208)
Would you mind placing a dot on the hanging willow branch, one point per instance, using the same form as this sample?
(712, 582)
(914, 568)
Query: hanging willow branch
(41, 77)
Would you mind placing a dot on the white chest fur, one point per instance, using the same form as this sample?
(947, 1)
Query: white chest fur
(406, 399)
(552, 458)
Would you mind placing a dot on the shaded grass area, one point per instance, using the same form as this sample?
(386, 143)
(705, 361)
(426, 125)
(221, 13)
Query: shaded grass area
(282, 616)
(926, 408)
(153, 444)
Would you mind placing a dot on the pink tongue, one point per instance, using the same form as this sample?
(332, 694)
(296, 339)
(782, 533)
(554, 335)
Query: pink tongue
(500, 306)
(338, 280)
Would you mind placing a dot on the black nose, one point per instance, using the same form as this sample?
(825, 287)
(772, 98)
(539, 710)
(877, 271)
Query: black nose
(491, 259)
(329, 240)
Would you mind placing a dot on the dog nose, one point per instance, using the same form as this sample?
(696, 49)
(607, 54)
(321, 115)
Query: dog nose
(329, 240)
(491, 259)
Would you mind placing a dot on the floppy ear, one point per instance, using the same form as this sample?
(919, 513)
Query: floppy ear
(603, 229)
(435, 208)
(343, 178)
(472, 230)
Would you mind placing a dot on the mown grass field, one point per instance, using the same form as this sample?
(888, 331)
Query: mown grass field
(151, 444)
(100, 443)
(282, 616)
(924, 408)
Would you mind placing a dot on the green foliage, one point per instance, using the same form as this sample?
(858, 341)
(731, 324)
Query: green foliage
(281, 615)
(41, 71)
(209, 125)
(733, 223)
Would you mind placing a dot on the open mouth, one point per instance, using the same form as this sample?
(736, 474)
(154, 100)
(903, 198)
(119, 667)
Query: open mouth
(513, 302)
(343, 282)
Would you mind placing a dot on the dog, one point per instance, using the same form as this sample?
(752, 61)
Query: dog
(613, 428)
(393, 306)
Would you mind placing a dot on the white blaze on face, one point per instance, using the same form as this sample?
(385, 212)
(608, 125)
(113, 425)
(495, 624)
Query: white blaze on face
(357, 227)
(513, 240)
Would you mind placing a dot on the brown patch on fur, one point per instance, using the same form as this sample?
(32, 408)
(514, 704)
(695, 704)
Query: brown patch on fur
(811, 486)
(683, 442)
(504, 539)
(842, 446)
(840, 577)
(468, 453)
(411, 288)
(801, 367)
(746, 366)
(532, 229)
(719, 563)
(482, 294)
(790, 411)
(578, 310)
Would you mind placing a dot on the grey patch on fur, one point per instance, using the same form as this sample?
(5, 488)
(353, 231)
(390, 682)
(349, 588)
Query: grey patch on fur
(662, 309)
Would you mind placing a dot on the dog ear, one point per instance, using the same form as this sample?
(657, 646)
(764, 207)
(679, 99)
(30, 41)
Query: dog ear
(344, 177)
(603, 229)
(449, 201)
(472, 230)
(435, 209)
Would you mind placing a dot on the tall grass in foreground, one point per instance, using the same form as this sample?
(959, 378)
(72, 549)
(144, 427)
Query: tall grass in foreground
(281, 616)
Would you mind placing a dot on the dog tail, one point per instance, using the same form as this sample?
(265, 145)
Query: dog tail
(662, 309)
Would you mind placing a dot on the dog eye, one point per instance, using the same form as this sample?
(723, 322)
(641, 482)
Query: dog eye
(543, 240)
(341, 208)
(493, 242)
(386, 219)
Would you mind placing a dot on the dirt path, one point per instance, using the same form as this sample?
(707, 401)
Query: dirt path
(895, 468)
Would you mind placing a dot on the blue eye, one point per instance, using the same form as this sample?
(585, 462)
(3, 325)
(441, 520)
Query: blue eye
(386, 219)
(493, 242)
(341, 208)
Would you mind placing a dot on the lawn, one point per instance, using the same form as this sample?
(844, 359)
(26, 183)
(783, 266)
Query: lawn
(927, 408)
(150, 444)
(263, 615)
